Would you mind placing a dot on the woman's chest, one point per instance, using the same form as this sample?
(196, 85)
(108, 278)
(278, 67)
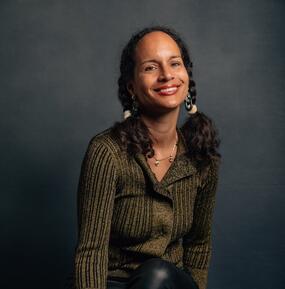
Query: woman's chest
(146, 209)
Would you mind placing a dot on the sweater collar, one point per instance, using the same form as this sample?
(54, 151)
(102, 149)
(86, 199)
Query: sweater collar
(180, 168)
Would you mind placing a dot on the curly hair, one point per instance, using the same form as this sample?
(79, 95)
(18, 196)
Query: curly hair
(199, 130)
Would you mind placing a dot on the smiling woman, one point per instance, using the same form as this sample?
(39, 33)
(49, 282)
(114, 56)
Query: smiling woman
(147, 188)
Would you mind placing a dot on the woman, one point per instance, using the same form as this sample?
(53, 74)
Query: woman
(147, 188)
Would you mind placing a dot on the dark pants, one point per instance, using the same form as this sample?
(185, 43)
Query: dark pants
(155, 273)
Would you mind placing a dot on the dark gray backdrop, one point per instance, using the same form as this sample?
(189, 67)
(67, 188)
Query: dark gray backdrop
(59, 65)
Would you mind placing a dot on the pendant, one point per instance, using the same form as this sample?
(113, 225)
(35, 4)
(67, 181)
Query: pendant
(157, 162)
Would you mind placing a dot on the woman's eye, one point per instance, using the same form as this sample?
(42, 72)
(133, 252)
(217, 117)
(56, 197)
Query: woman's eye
(149, 68)
(176, 63)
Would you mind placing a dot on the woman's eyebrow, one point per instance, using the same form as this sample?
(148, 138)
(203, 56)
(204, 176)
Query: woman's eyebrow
(175, 56)
(154, 60)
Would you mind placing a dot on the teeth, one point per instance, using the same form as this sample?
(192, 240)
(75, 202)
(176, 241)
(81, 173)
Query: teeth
(170, 89)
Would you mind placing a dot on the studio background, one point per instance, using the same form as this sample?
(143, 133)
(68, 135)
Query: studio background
(58, 72)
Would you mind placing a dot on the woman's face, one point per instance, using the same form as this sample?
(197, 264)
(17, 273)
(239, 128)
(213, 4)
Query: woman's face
(161, 81)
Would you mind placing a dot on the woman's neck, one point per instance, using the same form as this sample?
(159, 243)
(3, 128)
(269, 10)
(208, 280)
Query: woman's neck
(162, 130)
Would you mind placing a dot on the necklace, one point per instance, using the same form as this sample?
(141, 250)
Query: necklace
(170, 158)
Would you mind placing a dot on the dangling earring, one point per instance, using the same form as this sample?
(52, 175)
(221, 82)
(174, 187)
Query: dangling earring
(134, 109)
(190, 107)
(135, 106)
(127, 113)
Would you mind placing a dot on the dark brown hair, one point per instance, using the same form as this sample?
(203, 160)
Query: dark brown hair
(199, 131)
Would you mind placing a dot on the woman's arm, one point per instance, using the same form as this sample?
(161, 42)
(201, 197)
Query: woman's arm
(197, 243)
(96, 193)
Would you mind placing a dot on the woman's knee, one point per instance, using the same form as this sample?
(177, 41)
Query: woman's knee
(157, 269)
(156, 273)
(156, 263)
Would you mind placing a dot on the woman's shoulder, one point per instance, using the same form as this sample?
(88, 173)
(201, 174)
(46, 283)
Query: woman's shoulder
(105, 139)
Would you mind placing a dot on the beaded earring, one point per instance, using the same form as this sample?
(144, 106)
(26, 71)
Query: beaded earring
(190, 107)
(134, 109)
(127, 113)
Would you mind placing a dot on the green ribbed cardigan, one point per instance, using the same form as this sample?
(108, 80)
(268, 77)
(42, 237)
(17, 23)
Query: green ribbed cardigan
(125, 215)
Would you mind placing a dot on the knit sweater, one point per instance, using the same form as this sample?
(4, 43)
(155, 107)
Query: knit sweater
(126, 216)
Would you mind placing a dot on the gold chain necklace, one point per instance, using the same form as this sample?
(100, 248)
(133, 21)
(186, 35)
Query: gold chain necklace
(170, 158)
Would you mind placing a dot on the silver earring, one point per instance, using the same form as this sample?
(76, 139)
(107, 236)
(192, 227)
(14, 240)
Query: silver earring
(190, 107)
(135, 106)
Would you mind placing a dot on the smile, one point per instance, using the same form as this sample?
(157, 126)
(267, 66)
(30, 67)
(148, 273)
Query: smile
(167, 90)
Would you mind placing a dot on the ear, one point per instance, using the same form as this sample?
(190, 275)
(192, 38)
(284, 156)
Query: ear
(130, 88)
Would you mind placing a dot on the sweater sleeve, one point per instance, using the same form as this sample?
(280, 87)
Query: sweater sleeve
(96, 193)
(197, 243)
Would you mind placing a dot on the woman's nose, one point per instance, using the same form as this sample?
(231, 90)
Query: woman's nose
(165, 74)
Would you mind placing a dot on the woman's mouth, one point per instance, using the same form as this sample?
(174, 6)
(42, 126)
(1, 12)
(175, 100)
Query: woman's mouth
(167, 90)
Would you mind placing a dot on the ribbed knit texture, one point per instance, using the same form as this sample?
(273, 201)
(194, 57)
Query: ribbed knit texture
(126, 216)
